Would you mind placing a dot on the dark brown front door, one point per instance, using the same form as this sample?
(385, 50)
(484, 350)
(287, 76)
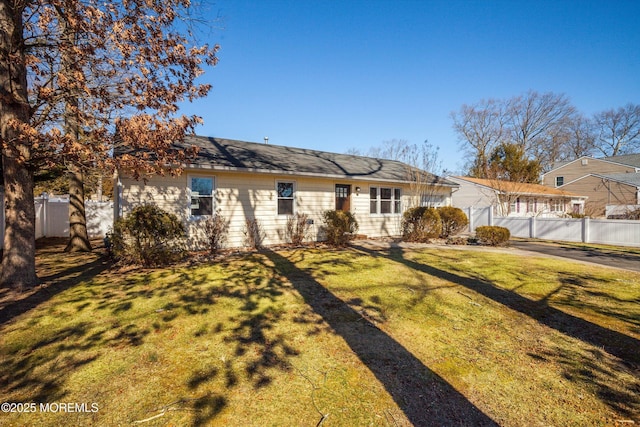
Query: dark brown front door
(343, 197)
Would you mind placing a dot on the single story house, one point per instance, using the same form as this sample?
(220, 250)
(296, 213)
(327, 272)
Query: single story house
(607, 182)
(515, 199)
(245, 181)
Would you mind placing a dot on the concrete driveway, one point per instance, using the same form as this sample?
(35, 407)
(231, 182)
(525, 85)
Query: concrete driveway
(618, 258)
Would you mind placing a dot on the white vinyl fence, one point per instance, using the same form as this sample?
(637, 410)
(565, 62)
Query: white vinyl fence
(52, 217)
(586, 230)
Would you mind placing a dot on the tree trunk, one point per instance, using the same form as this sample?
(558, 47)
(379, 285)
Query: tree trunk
(18, 261)
(78, 237)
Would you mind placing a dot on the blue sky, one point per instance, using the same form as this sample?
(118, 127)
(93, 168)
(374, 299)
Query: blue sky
(335, 75)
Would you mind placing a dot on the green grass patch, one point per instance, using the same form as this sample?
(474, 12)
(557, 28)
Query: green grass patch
(345, 337)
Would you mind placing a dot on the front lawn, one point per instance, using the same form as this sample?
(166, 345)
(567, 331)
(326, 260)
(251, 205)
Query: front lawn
(333, 337)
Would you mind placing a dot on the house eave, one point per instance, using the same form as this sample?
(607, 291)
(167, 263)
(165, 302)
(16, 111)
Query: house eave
(363, 178)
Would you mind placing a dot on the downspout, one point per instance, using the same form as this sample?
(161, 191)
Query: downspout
(117, 205)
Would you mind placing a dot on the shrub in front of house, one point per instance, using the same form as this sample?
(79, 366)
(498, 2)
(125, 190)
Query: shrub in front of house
(421, 224)
(148, 236)
(492, 235)
(340, 227)
(253, 233)
(454, 220)
(297, 228)
(215, 230)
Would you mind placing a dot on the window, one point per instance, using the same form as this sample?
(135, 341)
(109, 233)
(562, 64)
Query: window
(396, 200)
(285, 192)
(558, 205)
(385, 200)
(515, 206)
(559, 181)
(531, 205)
(373, 200)
(201, 195)
(544, 205)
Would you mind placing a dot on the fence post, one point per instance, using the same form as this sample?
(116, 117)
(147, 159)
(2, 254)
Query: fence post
(532, 227)
(470, 216)
(585, 229)
(45, 214)
(490, 215)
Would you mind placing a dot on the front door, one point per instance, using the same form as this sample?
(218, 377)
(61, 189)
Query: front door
(343, 197)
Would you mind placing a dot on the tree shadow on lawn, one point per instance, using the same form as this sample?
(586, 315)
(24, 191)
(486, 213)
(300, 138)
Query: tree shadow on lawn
(51, 285)
(622, 398)
(423, 396)
(38, 371)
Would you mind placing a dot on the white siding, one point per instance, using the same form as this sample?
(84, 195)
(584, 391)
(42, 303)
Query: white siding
(244, 196)
(471, 195)
(167, 192)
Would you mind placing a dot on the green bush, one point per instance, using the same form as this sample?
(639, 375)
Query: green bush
(453, 221)
(421, 224)
(492, 235)
(147, 236)
(339, 226)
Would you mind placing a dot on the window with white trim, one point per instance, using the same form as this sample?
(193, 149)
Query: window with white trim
(515, 206)
(384, 200)
(286, 193)
(201, 193)
(558, 205)
(531, 205)
(559, 181)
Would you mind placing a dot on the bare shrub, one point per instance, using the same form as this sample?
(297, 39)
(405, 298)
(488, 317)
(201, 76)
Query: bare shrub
(297, 228)
(215, 230)
(253, 233)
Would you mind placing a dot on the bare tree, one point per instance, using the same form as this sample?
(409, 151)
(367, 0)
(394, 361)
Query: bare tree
(480, 128)
(583, 138)
(618, 130)
(538, 122)
(423, 166)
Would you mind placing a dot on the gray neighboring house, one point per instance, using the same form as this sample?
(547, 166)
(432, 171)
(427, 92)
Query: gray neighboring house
(515, 199)
(269, 183)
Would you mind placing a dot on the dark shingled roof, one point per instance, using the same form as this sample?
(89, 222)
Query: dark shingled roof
(226, 154)
(626, 159)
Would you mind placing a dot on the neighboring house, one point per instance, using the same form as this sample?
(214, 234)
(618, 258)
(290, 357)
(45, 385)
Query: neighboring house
(515, 199)
(245, 181)
(610, 181)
